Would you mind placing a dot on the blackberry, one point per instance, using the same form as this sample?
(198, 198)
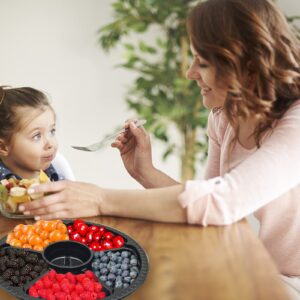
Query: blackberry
(2, 267)
(17, 272)
(33, 274)
(37, 269)
(28, 278)
(2, 252)
(10, 251)
(41, 263)
(22, 279)
(15, 280)
(12, 263)
(21, 262)
(32, 258)
(26, 269)
(22, 253)
(8, 274)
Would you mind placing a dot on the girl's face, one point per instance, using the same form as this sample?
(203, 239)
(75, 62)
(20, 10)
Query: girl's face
(200, 70)
(34, 146)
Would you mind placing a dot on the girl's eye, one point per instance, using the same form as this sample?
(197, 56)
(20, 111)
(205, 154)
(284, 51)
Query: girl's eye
(53, 131)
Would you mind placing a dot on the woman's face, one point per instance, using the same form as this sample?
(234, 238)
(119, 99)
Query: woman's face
(200, 70)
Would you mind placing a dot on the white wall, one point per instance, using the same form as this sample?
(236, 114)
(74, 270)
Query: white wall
(52, 45)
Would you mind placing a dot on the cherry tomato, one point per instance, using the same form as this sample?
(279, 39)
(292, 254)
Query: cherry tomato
(106, 244)
(97, 236)
(101, 229)
(70, 229)
(108, 235)
(82, 229)
(76, 223)
(95, 246)
(118, 241)
(82, 240)
(89, 236)
(93, 228)
(75, 236)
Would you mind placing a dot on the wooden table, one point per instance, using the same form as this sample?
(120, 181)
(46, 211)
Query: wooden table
(192, 262)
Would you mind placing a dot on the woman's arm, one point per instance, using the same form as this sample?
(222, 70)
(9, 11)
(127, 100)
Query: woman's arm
(70, 199)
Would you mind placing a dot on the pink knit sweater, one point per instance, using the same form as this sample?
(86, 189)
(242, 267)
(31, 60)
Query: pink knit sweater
(265, 181)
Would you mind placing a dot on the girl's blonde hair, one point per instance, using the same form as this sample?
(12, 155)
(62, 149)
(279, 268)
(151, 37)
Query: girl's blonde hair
(250, 37)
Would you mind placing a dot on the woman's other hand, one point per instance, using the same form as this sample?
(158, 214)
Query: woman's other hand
(64, 200)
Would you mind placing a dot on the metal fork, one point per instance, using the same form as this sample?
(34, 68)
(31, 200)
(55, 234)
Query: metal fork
(102, 143)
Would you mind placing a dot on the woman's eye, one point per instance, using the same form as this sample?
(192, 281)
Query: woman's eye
(203, 65)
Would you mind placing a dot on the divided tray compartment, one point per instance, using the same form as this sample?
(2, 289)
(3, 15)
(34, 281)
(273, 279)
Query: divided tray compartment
(112, 293)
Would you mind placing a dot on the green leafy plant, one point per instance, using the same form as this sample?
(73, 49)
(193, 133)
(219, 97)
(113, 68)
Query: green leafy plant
(161, 93)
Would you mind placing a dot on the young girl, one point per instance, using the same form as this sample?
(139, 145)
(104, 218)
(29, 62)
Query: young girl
(246, 63)
(27, 134)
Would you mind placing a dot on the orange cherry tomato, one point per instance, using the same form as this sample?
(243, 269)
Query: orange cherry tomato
(18, 234)
(40, 223)
(35, 240)
(44, 235)
(27, 246)
(61, 227)
(55, 236)
(38, 247)
(46, 243)
(23, 238)
(10, 237)
(19, 227)
(15, 243)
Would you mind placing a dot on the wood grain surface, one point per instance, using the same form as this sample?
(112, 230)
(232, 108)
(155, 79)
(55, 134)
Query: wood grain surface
(192, 262)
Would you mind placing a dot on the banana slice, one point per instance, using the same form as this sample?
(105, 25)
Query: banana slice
(19, 195)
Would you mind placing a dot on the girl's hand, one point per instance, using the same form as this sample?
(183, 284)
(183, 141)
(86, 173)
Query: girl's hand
(65, 200)
(135, 149)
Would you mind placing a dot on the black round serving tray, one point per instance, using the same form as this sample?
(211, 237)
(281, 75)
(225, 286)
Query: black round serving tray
(112, 294)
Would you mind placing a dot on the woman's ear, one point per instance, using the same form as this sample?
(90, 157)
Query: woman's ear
(3, 148)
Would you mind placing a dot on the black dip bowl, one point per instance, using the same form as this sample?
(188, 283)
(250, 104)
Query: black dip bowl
(68, 256)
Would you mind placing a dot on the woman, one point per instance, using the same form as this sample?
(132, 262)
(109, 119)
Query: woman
(249, 77)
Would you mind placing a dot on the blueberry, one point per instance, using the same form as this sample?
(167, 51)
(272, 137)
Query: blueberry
(118, 284)
(125, 273)
(117, 253)
(119, 259)
(97, 273)
(126, 279)
(119, 278)
(113, 269)
(102, 265)
(134, 269)
(113, 258)
(133, 274)
(125, 254)
(103, 271)
(124, 267)
(125, 261)
(125, 285)
(119, 271)
(103, 278)
(108, 283)
(133, 262)
(95, 265)
(100, 254)
(131, 281)
(111, 277)
(104, 259)
(109, 253)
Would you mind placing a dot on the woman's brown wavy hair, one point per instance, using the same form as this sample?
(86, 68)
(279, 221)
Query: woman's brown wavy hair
(249, 36)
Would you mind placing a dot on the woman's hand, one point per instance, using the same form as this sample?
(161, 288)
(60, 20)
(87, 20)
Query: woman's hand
(65, 199)
(135, 149)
